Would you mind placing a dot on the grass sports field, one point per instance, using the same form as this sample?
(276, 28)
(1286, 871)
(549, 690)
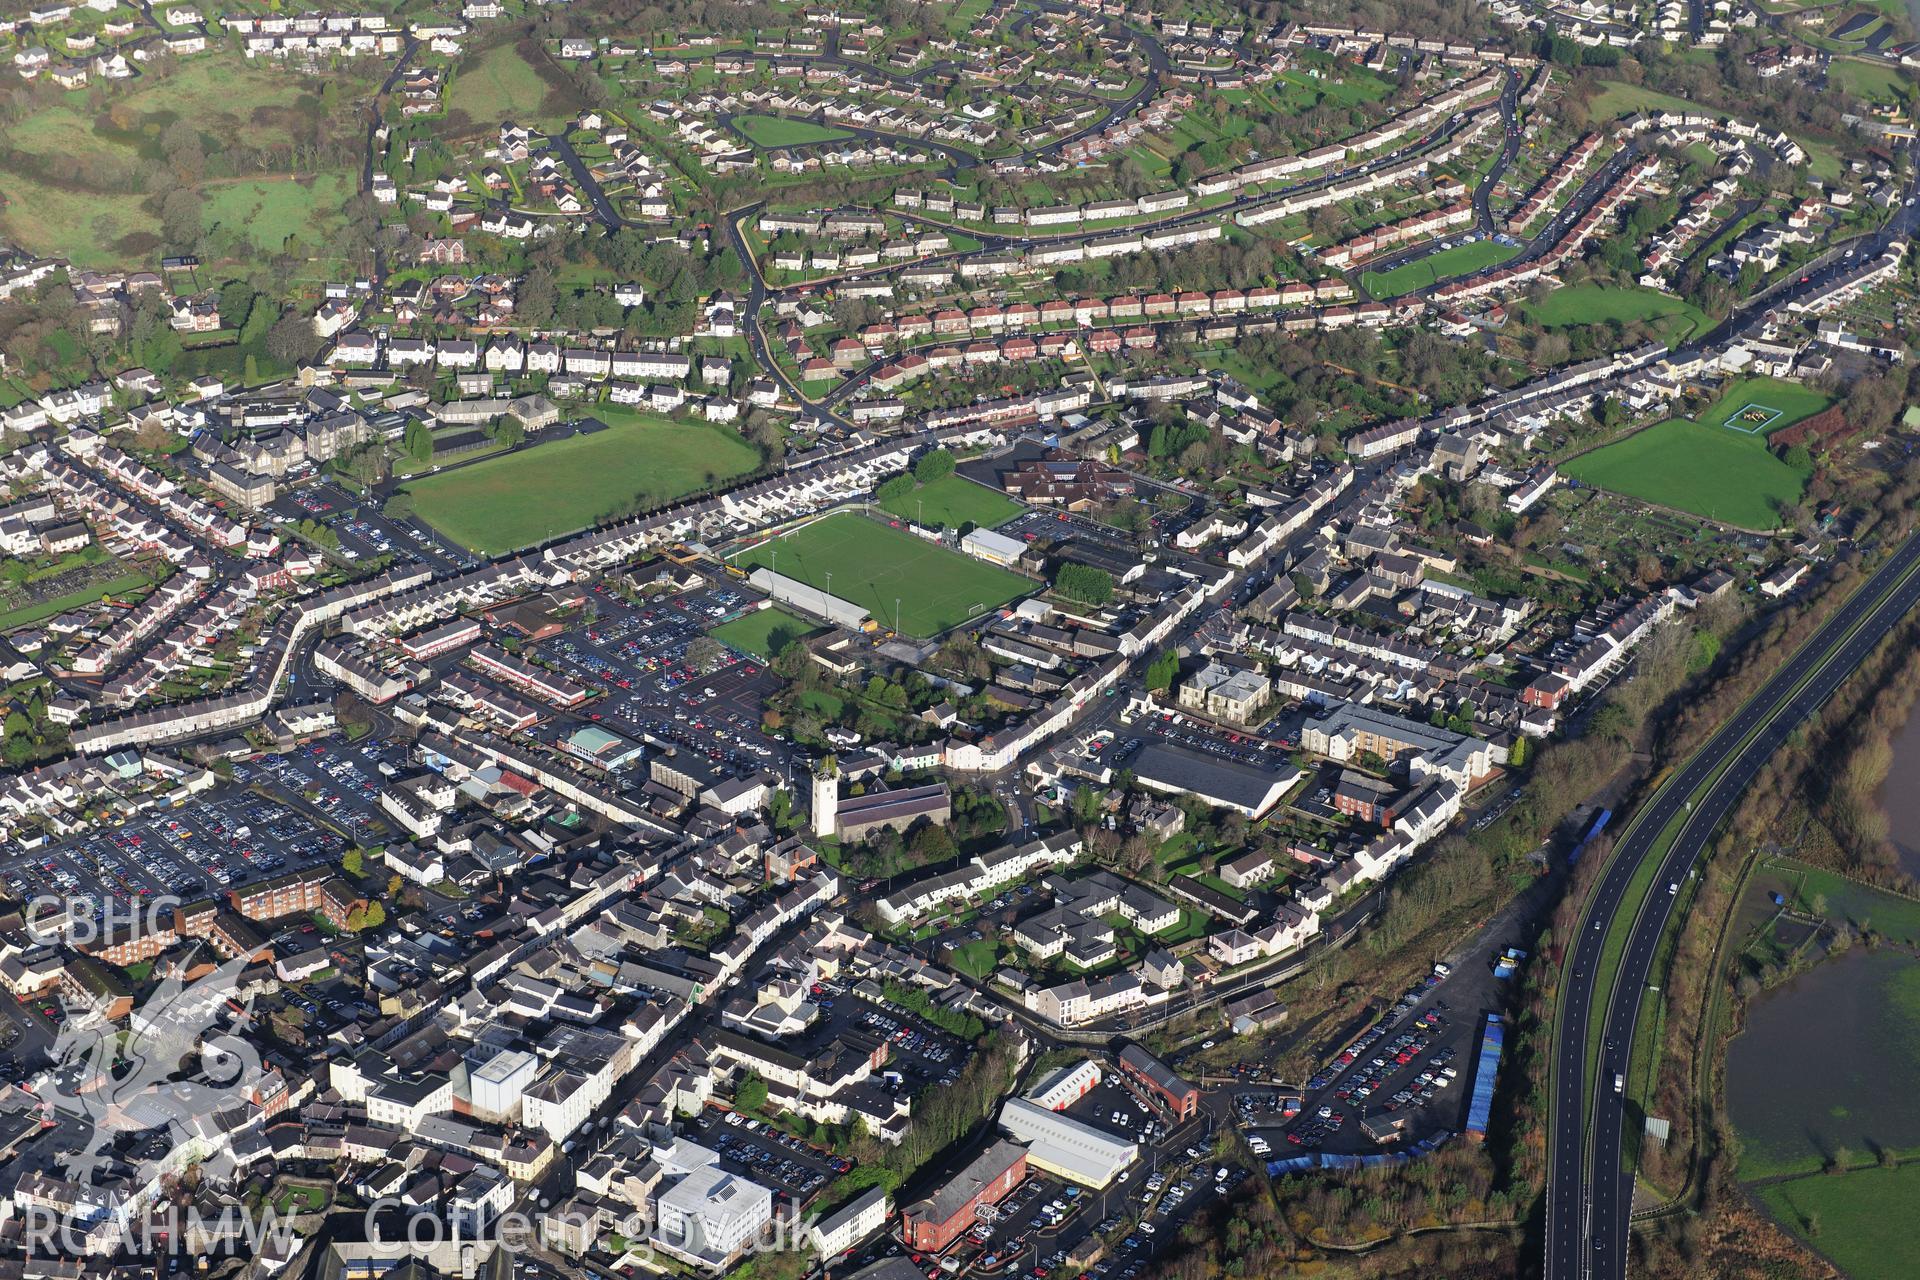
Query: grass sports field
(952, 501)
(774, 131)
(764, 633)
(874, 564)
(1718, 466)
(520, 499)
(1584, 304)
(1421, 272)
(1692, 466)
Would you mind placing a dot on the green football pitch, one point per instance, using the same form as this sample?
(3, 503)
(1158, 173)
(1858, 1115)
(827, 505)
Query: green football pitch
(889, 572)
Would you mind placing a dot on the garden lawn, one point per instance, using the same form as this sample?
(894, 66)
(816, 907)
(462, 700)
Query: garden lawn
(1698, 467)
(1873, 81)
(519, 499)
(1863, 1217)
(1583, 304)
(1435, 267)
(873, 565)
(975, 959)
(774, 131)
(952, 501)
(763, 633)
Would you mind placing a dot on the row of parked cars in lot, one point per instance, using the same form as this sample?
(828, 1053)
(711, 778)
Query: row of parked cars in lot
(790, 1173)
(1399, 1052)
(1377, 1072)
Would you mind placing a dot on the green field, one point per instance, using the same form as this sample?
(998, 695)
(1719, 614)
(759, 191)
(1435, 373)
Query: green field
(976, 959)
(1309, 90)
(874, 565)
(519, 499)
(1893, 917)
(953, 501)
(1793, 400)
(1435, 267)
(230, 101)
(1698, 467)
(1861, 1217)
(499, 84)
(763, 633)
(1617, 99)
(1874, 81)
(87, 228)
(268, 212)
(775, 131)
(73, 187)
(1583, 304)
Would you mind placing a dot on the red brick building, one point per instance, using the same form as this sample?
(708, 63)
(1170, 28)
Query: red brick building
(932, 1224)
(299, 893)
(1157, 1080)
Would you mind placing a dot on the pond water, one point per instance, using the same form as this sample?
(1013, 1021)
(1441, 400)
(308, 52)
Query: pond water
(1829, 1059)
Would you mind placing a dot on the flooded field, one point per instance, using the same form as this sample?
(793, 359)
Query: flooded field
(1900, 794)
(1831, 1059)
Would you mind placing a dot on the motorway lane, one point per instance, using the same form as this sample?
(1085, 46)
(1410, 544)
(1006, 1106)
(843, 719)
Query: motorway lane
(1613, 1211)
(1588, 1208)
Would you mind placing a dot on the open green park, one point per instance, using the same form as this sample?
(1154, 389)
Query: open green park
(519, 499)
(953, 501)
(1793, 400)
(778, 131)
(1584, 304)
(888, 571)
(1714, 466)
(1617, 98)
(1460, 260)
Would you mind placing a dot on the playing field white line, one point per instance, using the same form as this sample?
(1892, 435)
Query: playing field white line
(1751, 419)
